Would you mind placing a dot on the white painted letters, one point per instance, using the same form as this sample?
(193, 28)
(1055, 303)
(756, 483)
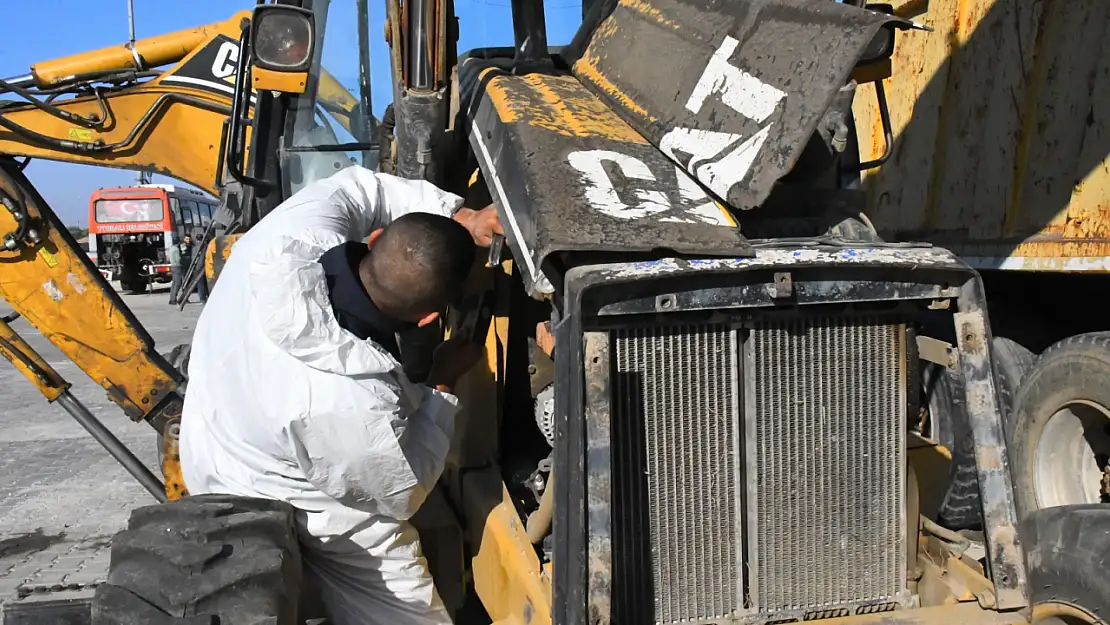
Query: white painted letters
(603, 195)
(695, 205)
(742, 92)
(226, 59)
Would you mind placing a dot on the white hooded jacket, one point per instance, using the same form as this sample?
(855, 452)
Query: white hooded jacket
(282, 402)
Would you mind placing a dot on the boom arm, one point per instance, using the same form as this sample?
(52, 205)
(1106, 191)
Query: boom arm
(116, 112)
(170, 123)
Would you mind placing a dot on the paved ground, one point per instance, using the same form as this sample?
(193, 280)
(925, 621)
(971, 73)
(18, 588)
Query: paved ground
(62, 496)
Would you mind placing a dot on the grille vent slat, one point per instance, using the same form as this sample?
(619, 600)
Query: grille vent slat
(826, 491)
(690, 501)
(830, 392)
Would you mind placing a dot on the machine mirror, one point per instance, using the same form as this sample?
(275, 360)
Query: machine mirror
(882, 45)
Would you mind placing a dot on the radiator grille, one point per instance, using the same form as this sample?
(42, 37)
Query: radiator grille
(829, 427)
(676, 506)
(775, 452)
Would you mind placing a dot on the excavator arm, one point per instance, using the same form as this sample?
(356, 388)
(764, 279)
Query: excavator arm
(106, 107)
(110, 107)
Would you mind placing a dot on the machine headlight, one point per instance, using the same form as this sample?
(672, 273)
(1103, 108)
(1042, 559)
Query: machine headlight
(282, 38)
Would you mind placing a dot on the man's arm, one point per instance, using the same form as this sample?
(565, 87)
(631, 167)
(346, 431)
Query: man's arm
(356, 201)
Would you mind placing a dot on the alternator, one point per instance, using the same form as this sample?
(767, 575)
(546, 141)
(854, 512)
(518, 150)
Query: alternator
(545, 413)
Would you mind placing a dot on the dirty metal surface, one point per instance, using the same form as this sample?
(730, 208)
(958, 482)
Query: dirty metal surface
(995, 485)
(1001, 134)
(747, 82)
(567, 174)
(773, 257)
(599, 476)
(586, 289)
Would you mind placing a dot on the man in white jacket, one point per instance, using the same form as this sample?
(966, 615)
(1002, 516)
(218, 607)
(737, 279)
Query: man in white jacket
(296, 393)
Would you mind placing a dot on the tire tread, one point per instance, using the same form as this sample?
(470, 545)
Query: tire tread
(1067, 549)
(206, 559)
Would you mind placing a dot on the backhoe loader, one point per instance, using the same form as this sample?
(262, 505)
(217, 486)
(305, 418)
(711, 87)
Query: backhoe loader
(725, 430)
(113, 107)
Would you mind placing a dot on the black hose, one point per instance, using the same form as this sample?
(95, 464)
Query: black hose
(49, 108)
(99, 145)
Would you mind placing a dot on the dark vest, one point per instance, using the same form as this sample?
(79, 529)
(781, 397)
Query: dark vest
(353, 308)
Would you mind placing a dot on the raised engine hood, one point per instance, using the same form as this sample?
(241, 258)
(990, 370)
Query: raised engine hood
(730, 90)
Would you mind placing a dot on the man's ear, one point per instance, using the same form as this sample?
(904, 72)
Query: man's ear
(374, 237)
(428, 319)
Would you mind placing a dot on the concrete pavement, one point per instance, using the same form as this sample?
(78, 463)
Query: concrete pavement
(62, 496)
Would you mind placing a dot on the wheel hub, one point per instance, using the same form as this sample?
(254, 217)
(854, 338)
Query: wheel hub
(1072, 458)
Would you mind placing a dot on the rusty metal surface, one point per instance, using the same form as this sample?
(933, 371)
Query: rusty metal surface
(596, 367)
(1001, 134)
(985, 418)
(171, 460)
(568, 174)
(747, 82)
(590, 287)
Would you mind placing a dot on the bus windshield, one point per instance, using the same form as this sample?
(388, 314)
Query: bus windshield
(128, 210)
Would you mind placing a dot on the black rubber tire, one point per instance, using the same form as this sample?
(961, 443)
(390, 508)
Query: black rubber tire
(134, 286)
(1067, 550)
(1077, 367)
(961, 508)
(211, 559)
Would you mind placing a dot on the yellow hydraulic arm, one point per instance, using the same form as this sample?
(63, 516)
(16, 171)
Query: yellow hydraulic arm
(106, 107)
(110, 107)
(170, 124)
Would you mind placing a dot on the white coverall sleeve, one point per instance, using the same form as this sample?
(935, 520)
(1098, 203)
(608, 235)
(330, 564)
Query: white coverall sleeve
(367, 456)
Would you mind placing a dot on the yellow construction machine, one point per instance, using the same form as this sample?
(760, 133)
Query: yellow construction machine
(164, 105)
(728, 425)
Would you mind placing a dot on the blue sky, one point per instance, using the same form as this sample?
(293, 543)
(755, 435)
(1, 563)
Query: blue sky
(53, 28)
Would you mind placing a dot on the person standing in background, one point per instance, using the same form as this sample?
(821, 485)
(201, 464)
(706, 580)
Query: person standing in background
(174, 258)
(180, 257)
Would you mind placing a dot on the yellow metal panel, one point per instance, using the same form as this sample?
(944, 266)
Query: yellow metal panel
(28, 362)
(263, 79)
(1001, 137)
(217, 253)
(154, 51)
(57, 290)
(508, 578)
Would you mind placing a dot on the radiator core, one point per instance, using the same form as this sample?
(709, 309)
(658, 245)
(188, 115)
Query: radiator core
(757, 470)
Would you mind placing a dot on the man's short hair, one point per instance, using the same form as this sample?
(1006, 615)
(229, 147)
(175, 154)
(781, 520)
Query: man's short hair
(418, 264)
